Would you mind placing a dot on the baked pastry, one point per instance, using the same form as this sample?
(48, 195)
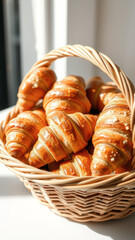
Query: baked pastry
(66, 134)
(34, 87)
(112, 138)
(123, 169)
(24, 158)
(67, 95)
(77, 165)
(100, 93)
(21, 132)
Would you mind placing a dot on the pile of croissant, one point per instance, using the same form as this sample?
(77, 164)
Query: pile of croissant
(78, 131)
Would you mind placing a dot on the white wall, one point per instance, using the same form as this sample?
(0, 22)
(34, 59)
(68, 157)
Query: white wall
(27, 36)
(81, 30)
(116, 33)
(106, 25)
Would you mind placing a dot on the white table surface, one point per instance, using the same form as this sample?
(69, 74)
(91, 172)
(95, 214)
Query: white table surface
(23, 218)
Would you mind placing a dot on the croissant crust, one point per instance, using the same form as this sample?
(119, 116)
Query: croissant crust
(77, 165)
(100, 93)
(64, 135)
(112, 138)
(22, 132)
(35, 87)
(67, 95)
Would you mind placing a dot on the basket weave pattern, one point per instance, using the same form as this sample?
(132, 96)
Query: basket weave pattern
(80, 198)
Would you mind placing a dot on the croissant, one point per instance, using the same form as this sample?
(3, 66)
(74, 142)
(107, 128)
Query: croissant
(78, 165)
(35, 87)
(100, 93)
(112, 138)
(123, 169)
(66, 134)
(24, 158)
(21, 132)
(67, 95)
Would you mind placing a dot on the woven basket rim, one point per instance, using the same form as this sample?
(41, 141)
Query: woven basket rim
(42, 177)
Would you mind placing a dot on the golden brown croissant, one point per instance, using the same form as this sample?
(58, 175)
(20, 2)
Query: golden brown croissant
(67, 95)
(112, 138)
(100, 93)
(78, 165)
(66, 134)
(123, 169)
(35, 87)
(24, 158)
(21, 132)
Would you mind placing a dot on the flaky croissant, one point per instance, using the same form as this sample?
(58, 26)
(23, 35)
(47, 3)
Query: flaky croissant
(123, 169)
(100, 93)
(22, 132)
(112, 138)
(66, 134)
(67, 95)
(34, 88)
(78, 165)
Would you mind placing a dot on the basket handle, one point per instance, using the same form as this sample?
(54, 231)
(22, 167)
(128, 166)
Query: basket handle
(100, 60)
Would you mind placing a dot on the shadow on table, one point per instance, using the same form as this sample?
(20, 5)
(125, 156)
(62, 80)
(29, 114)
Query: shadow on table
(12, 186)
(119, 229)
(122, 229)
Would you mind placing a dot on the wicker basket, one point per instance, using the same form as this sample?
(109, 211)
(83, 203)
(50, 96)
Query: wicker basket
(80, 198)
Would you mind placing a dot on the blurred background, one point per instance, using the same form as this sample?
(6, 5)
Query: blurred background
(31, 28)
